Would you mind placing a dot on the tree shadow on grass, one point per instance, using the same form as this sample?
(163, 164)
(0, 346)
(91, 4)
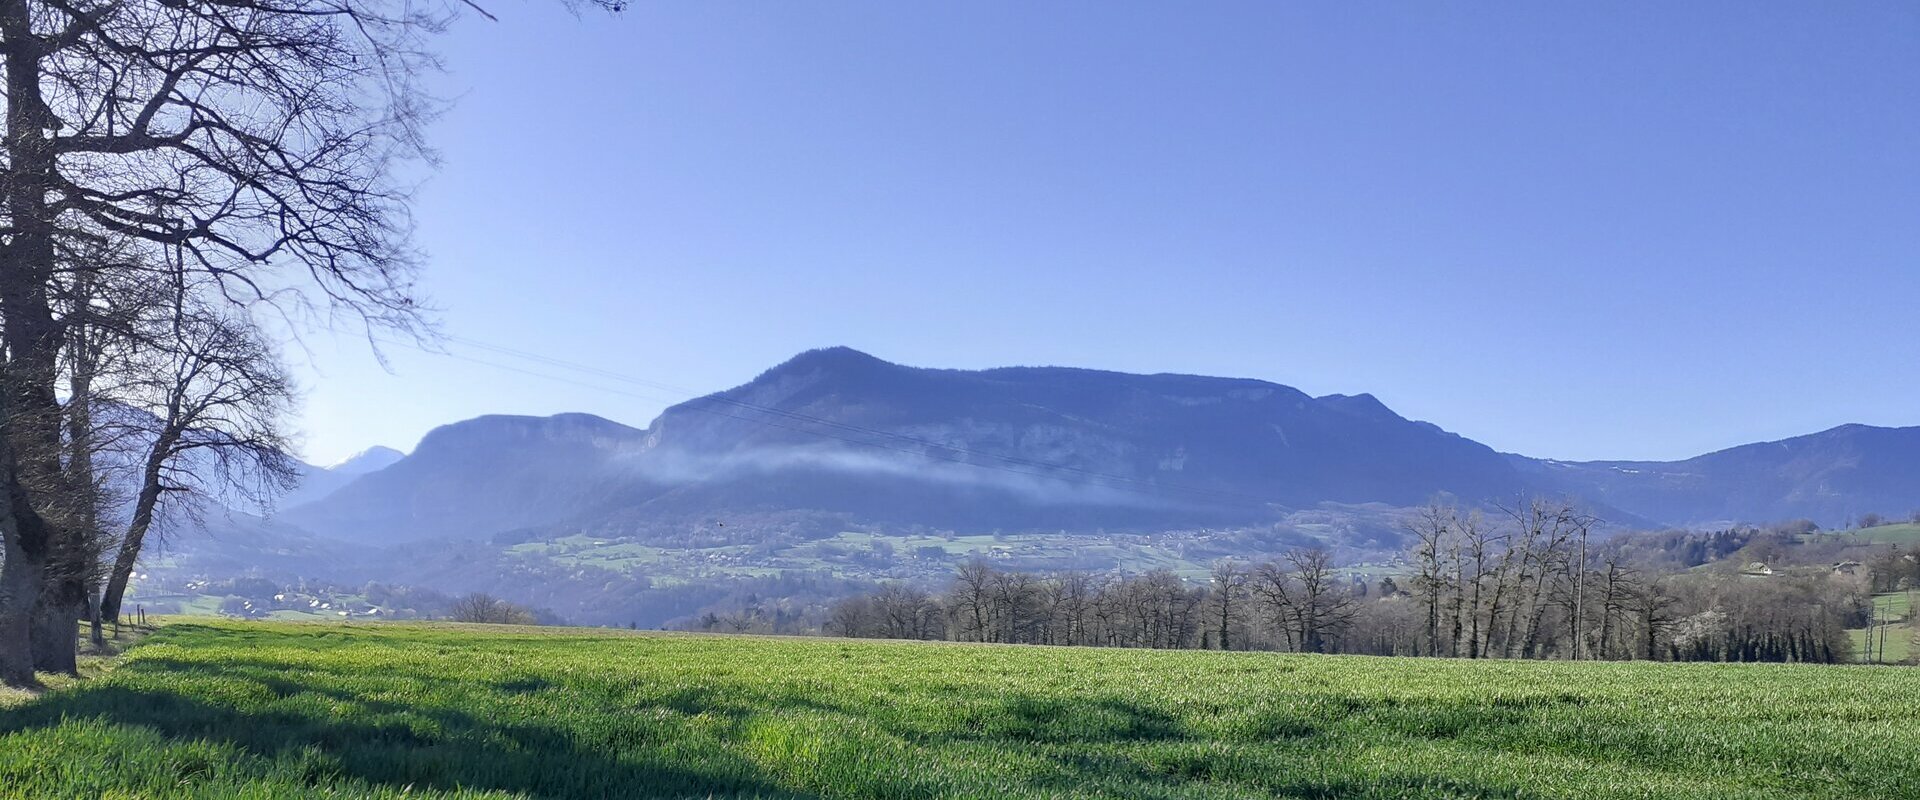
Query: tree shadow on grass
(1111, 746)
(405, 723)
(393, 744)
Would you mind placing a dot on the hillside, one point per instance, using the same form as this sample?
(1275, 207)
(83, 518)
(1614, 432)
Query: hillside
(1829, 477)
(314, 482)
(836, 469)
(477, 477)
(1026, 448)
(836, 438)
(286, 710)
(852, 439)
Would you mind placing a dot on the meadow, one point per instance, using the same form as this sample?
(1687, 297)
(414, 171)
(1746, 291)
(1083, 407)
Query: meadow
(206, 708)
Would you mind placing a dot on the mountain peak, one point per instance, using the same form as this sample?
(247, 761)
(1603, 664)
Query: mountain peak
(837, 357)
(838, 362)
(1362, 404)
(1855, 429)
(574, 426)
(372, 459)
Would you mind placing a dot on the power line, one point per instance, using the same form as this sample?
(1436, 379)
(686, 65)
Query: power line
(909, 445)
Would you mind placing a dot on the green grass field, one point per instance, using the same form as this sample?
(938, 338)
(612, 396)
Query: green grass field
(1898, 608)
(238, 709)
(1905, 534)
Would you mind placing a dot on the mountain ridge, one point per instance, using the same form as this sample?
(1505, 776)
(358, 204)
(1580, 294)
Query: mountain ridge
(458, 482)
(838, 436)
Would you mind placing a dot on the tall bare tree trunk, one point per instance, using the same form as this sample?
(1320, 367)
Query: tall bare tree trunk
(1608, 604)
(1473, 611)
(143, 510)
(25, 541)
(83, 493)
(96, 631)
(65, 596)
(1459, 597)
(32, 338)
(1576, 621)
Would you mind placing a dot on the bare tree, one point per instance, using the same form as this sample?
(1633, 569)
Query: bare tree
(1576, 619)
(970, 601)
(904, 612)
(1545, 527)
(1640, 597)
(1309, 602)
(253, 142)
(485, 608)
(1226, 598)
(1327, 606)
(1619, 587)
(1484, 546)
(1015, 601)
(852, 617)
(1273, 585)
(1432, 529)
(1656, 619)
(1071, 597)
(96, 323)
(218, 399)
(96, 346)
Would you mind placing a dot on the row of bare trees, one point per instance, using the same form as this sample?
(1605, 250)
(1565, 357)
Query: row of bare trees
(1301, 601)
(1504, 586)
(1529, 580)
(169, 171)
(171, 403)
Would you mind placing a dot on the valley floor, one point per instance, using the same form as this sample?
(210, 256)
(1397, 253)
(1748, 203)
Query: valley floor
(258, 709)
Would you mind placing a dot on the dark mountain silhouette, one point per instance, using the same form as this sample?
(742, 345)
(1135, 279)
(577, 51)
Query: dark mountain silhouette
(477, 477)
(1051, 446)
(842, 433)
(1829, 477)
(836, 436)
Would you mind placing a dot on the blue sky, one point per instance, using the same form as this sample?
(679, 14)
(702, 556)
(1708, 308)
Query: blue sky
(1621, 230)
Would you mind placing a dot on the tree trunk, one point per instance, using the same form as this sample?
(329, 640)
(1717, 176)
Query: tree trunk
(32, 338)
(63, 602)
(1575, 620)
(55, 633)
(25, 539)
(20, 577)
(143, 510)
(96, 632)
(1473, 622)
(1433, 621)
(87, 537)
(1652, 630)
(1530, 647)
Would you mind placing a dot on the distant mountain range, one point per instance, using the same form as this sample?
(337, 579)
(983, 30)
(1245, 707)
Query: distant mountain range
(1829, 477)
(372, 459)
(835, 436)
(318, 482)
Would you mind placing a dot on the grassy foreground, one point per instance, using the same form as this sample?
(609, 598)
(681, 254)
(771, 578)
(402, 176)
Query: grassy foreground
(228, 709)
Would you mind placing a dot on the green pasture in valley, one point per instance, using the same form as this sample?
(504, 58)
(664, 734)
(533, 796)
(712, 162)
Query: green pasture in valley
(269, 709)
